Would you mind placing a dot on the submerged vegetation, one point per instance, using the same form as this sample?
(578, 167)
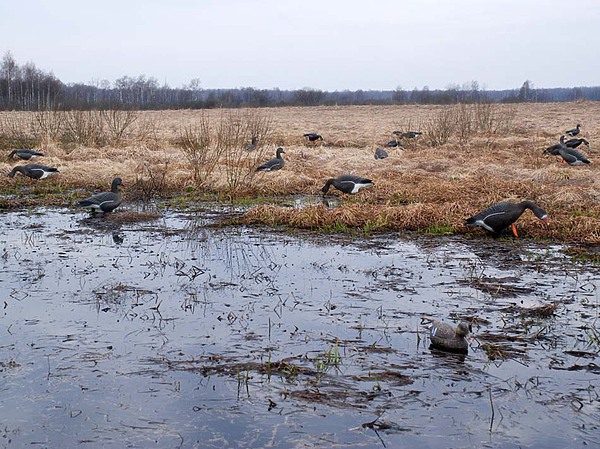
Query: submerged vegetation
(468, 157)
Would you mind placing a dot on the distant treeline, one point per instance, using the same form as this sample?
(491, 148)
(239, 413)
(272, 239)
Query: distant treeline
(25, 87)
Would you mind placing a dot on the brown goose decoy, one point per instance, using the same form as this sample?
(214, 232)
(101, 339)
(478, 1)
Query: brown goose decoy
(573, 132)
(500, 216)
(448, 338)
(276, 163)
(24, 153)
(33, 171)
(105, 201)
(347, 183)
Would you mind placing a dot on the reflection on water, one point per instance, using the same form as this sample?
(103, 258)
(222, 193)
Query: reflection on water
(173, 333)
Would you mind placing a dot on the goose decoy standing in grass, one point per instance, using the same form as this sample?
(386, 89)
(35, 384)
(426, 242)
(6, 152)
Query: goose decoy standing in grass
(500, 216)
(33, 171)
(313, 137)
(380, 153)
(274, 164)
(574, 143)
(448, 338)
(569, 155)
(394, 144)
(573, 132)
(24, 153)
(412, 134)
(252, 145)
(105, 201)
(347, 183)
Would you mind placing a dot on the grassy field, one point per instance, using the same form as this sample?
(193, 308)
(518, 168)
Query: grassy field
(468, 158)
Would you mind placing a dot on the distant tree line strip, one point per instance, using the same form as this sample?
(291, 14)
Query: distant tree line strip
(25, 87)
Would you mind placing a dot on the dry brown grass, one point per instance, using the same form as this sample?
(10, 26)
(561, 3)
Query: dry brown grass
(416, 188)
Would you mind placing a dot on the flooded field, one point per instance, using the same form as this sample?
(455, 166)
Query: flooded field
(172, 333)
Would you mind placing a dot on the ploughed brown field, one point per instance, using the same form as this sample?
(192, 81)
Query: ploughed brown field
(468, 158)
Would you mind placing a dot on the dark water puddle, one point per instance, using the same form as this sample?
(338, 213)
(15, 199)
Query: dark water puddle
(163, 331)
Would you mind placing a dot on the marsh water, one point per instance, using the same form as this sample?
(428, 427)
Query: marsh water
(171, 332)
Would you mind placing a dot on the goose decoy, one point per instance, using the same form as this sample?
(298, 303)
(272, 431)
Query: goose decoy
(574, 143)
(24, 153)
(252, 145)
(448, 338)
(573, 132)
(105, 201)
(398, 133)
(33, 171)
(412, 134)
(347, 183)
(394, 144)
(500, 216)
(313, 137)
(380, 153)
(569, 155)
(276, 163)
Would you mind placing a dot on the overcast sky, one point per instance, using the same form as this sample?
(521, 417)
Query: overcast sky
(325, 44)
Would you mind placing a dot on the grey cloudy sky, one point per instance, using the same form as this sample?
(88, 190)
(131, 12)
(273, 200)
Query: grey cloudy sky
(329, 45)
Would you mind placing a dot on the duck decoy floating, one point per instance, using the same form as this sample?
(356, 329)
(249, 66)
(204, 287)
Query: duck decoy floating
(573, 132)
(347, 183)
(24, 153)
(500, 216)
(445, 337)
(105, 201)
(33, 171)
(380, 153)
(276, 163)
(313, 137)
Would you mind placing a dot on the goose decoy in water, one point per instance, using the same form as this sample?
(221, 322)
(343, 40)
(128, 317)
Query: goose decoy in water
(105, 201)
(313, 137)
(500, 216)
(24, 153)
(573, 132)
(33, 171)
(412, 134)
(448, 338)
(347, 183)
(252, 145)
(274, 164)
(380, 153)
(569, 155)
(574, 143)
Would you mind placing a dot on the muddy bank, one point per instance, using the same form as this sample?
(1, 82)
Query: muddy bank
(165, 331)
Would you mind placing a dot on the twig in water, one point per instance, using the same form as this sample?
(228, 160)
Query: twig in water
(492, 406)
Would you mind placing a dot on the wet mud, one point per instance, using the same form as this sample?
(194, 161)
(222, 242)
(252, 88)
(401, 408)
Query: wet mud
(159, 329)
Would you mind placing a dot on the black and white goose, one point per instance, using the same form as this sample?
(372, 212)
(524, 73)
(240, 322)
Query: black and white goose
(347, 183)
(380, 153)
(105, 201)
(24, 153)
(573, 132)
(313, 137)
(500, 216)
(412, 134)
(447, 337)
(574, 143)
(33, 171)
(569, 155)
(276, 163)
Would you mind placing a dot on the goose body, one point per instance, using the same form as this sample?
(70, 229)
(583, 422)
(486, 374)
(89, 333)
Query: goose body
(570, 155)
(574, 143)
(411, 134)
(105, 201)
(252, 145)
(33, 171)
(24, 153)
(573, 132)
(500, 216)
(313, 137)
(380, 153)
(347, 183)
(393, 144)
(448, 338)
(276, 163)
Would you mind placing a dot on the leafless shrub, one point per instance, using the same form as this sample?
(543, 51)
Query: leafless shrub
(118, 124)
(83, 128)
(440, 126)
(233, 133)
(465, 124)
(47, 126)
(150, 181)
(14, 133)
